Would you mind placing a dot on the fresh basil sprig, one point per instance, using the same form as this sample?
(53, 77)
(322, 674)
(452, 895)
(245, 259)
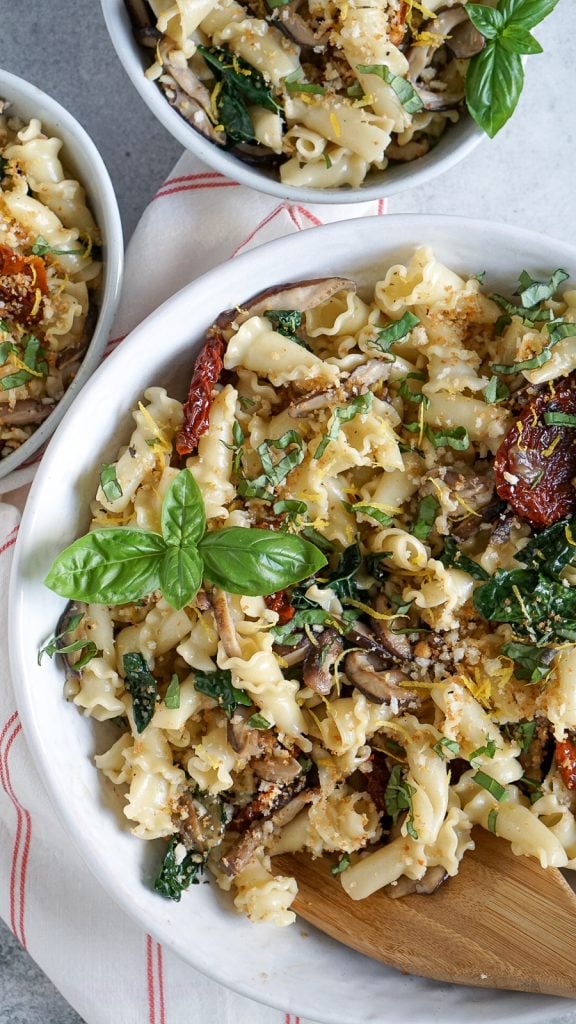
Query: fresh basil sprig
(119, 565)
(495, 76)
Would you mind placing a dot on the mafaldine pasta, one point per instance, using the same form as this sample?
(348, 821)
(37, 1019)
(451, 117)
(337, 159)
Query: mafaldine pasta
(329, 599)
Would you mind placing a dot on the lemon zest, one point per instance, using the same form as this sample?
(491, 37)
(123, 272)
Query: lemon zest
(213, 97)
(154, 428)
(396, 727)
(310, 634)
(520, 429)
(520, 600)
(335, 124)
(371, 611)
(12, 358)
(36, 306)
(390, 510)
(551, 447)
(569, 535)
(421, 424)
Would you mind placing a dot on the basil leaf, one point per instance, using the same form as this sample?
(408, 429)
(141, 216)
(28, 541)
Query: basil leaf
(427, 511)
(172, 695)
(491, 785)
(183, 515)
(517, 40)
(559, 331)
(291, 508)
(42, 248)
(396, 331)
(405, 91)
(534, 292)
(178, 873)
(180, 575)
(452, 558)
(218, 685)
(526, 14)
(15, 380)
(6, 349)
(370, 510)
(141, 684)
(108, 566)
(487, 20)
(553, 549)
(35, 355)
(274, 473)
(530, 316)
(109, 482)
(289, 633)
(495, 392)
(446, 744)
(494, 81)
(53, 646)
(257, 562)
(532, 787)
(316, 538)
(531, 663)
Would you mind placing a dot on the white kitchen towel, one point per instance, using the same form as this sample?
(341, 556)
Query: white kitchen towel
(103, 964)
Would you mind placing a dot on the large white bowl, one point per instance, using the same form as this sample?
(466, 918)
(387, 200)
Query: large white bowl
(457, 142)
(80, 156)
(309, 973)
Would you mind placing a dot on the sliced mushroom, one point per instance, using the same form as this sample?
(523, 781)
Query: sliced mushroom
(199, 821)
(397, 644)
(66, 636)
(261, 832)
(254, 153)
(503, 528)
(224, 622)
(366, 376)
(202, 601)
(24, 413)
(293, 655)
(431, 880)
(377, 681)
(142, 18)
(302, 295)
(437, 101)
(465, 41)
(360, 635)
(298, 29)
(320, 660)
(244, 740)
(318, 401)
(411, 151)
(193, 112)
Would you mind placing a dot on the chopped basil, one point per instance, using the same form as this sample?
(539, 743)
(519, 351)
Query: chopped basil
(246, 402)
(495, 392)
(141, 685)
(398, 798)
(405, 91)
(492, 819)
(408, 395)
(344, 414)
(308, 87)
(291, 508)
(452, 558)
(532, 786)
(178, 873)
(43, 248)
(109, 482)
(342, 865)
(521, 732)
(491, 785)
(316, 538)
(503, 321)
(427, 511)
(218, 685)
(370, 510)
(172, 695)
(53, 646)
(6, 349)
(288, 634)
(327, 160)
(534, 292)
(258, 721)
(274, 473)
(559, 419)
(395, 331)
(457, 438)
(394, 748)
(446, 744)
(15, 380)
(487, 750)
(236, 446)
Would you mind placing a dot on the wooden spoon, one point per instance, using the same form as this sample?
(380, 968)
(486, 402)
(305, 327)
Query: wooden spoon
(502, 922)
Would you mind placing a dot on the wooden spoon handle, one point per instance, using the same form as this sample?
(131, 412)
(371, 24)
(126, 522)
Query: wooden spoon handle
(502, 922)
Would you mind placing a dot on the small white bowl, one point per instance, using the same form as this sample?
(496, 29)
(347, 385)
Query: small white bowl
(80, 156)
(292, 967)
(457, 142)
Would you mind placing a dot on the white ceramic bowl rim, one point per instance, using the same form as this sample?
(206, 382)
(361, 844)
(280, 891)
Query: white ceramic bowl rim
(80, 154)
(314, 977)
(457, 142)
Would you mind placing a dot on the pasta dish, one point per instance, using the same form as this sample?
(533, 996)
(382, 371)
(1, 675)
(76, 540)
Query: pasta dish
(320, 92)
(48, 277)
(329, 599)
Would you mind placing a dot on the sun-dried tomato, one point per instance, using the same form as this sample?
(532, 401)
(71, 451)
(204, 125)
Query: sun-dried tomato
(566, 761)
(280, 602)
(536, 463)
(22, 284)
(207, 370)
